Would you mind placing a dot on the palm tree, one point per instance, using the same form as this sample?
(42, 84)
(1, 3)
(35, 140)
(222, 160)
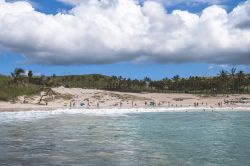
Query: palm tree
(30, 75)
(16, 74)
(176, 81)
(147, 81)
(232, 75)
(223, 78)
(240, 79)
(233, 71)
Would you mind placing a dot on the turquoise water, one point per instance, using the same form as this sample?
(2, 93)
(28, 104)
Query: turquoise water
(188, 139)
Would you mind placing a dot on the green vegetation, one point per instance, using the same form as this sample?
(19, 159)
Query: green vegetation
(10, 90)
(224, 83)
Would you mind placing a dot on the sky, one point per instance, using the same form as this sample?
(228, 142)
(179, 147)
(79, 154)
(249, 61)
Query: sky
(131, 38)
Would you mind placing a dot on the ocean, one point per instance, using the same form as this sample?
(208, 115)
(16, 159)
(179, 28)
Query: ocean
(64, 138)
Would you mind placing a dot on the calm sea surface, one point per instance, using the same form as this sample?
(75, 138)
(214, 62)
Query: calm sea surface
(188, 139)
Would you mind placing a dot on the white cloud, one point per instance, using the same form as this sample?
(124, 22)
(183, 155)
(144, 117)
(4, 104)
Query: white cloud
(185, 2)
(110, 31)
(72, 2)
(165, 2)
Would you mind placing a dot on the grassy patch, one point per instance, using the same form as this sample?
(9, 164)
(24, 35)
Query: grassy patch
(9, 91)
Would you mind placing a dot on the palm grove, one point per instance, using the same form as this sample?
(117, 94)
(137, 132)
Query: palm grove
(226, 82)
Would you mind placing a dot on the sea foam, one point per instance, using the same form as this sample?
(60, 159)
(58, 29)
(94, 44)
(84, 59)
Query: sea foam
(37, 114)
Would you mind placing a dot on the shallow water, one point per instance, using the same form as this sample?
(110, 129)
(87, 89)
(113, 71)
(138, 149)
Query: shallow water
(183, 138)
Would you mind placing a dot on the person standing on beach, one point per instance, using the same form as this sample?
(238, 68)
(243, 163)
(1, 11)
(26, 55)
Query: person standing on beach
(81, 103)
(88, 103)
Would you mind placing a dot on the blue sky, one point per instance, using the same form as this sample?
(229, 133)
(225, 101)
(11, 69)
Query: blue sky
(131, 70)
(10, 59)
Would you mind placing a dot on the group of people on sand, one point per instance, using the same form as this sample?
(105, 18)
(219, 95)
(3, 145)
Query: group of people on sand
(220, 104)
(196, 104)
(82, 103)
(72, 104)
(87, 104)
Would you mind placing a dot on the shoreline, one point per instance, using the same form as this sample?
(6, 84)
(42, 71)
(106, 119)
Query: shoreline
(127, 110)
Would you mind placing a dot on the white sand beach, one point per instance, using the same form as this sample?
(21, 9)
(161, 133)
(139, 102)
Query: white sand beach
(77, 98)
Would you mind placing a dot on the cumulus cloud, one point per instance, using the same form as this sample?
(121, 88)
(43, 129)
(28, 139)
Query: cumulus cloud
(110, 31)
(190, 2)
(72, 2)
(165, 2)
